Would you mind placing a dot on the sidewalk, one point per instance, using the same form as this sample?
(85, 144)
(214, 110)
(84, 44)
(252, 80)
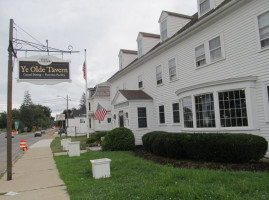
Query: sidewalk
(35, 176)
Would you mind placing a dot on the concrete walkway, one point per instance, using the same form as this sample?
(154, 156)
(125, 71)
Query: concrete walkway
(35, 176)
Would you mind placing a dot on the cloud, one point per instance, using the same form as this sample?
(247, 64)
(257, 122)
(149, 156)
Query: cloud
(103, 27)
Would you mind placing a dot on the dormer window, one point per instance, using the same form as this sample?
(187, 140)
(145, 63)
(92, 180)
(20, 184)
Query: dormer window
(164, 30)
(204, 6)
(120, 61)
(139, 47)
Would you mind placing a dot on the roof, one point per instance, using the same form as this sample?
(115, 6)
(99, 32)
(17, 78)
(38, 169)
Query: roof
(135, 95)
(194, 20)
(102, 90)
(149, 35)
(78, 113)
(129, 51)
(176, 14)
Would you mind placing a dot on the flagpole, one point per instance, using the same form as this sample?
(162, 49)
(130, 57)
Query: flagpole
(87, 100)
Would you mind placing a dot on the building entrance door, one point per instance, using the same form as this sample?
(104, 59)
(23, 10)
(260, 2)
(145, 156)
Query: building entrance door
(121, 121)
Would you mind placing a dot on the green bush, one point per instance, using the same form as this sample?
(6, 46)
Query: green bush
(208, 147)
(96, 138)
(119, 139)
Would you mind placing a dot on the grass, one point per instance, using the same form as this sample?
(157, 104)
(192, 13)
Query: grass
(136, 178)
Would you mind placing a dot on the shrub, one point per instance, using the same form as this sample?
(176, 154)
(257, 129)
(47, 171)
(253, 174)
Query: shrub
(209, 147)
(96, 138)
(119, 139)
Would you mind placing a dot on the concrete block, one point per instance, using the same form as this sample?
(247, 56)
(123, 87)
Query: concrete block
(74, 148)
(101, 168)
(64, 143)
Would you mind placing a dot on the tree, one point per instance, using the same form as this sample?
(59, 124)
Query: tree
(3, 120)
(82, 105)
(27, 101)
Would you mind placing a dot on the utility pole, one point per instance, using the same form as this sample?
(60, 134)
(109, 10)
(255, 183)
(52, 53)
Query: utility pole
(9, 102)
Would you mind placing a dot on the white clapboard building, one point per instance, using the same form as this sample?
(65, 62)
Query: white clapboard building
(208, 72)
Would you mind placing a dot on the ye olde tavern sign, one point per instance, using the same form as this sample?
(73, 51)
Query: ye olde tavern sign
(44, 70)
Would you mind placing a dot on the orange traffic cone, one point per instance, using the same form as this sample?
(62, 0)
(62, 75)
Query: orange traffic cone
(23, 145)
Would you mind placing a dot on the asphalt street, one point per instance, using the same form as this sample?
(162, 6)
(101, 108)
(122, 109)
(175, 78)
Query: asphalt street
(16, 151)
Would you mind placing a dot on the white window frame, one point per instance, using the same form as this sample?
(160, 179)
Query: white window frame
(258, 30)
(246, 83)
(172, 77)
(164, 29)
(179, 112)
(211, 6)
(162, 113)
(161, 72)
(124, 85)
(207, 51)
(140, 79)
(140, 47)
(143, 117)
(120, 61)
(215, 49)
(197, 61)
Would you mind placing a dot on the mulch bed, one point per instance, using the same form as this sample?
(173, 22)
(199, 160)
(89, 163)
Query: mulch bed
(262, 165)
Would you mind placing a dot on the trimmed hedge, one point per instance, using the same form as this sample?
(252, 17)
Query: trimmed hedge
(218, 147)
(119, 139)
(96, 138)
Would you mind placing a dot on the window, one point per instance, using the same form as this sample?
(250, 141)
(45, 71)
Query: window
(205, 114)
(120, 61)
(172, 69)
(140, 81)
(187, 112)
(204, 6)
(161, 115)
(140, 49)
(89, 106)
(176, 116)
(164, 30)
(215, 48)
(142, 117)
(263, 22)
(109, 120)
(159, 75)
(200, 56)
(233, 110)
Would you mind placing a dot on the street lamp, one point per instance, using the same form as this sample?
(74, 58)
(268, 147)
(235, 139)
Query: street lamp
(67, 113)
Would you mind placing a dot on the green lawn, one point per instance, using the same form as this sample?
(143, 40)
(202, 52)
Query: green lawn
(56, 143)
(136, 178)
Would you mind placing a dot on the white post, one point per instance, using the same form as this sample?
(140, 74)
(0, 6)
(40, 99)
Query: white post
(87, 102)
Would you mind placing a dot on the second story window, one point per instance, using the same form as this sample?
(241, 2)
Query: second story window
(172, 69)
(139, 47)
(215, 48)
(159, 78)
(263, 22)
(140, 81)
(204, 6)
(164, 30)
(200, 55)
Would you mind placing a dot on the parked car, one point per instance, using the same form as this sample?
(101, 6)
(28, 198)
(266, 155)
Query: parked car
(43, 131)
(38, 133)
(12, 135)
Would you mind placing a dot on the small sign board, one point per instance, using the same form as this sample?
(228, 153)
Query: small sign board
(60, 117)
(43, 70)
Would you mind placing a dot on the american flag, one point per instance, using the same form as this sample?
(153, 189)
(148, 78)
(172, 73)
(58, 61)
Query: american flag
(84, 70)
(100, 113)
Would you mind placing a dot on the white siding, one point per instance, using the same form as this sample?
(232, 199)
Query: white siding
(147, 43)
(242, 58)
(174, 24)
(127, 59)
(218, 2)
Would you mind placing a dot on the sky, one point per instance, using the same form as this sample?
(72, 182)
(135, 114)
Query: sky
(102, 27)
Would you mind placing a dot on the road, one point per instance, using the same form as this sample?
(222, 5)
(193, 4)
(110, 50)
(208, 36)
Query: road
(16, 151)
